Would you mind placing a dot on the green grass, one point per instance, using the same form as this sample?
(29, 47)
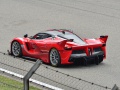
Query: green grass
(10, 84)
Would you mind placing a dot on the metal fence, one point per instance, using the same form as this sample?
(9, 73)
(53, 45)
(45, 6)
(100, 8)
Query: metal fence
(48, 75)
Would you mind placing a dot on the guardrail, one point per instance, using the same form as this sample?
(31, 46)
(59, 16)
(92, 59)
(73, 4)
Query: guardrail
(48, 75)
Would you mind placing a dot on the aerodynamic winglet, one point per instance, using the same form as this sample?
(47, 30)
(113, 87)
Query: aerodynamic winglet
(104, 38)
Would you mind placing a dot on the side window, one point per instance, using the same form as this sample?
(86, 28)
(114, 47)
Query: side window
(39, 36)
(46, 36)
(42, 36)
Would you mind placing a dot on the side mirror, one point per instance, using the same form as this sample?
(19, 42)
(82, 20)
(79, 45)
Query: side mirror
(26, 35)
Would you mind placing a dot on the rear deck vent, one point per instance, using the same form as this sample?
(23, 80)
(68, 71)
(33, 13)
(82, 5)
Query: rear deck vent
(78, 51)
(97, 49)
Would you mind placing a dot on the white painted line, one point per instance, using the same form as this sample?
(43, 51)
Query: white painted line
(12, 73)
(32, 80)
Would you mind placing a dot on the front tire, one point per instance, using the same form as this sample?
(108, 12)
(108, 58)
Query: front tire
(16, 49)
(55, 57)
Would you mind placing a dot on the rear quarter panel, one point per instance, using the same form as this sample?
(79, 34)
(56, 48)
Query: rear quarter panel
(59, 44)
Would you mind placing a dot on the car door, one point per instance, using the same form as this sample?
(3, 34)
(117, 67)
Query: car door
(38, 45)
(41, 41)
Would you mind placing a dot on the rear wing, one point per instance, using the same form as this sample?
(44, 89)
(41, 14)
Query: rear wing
(104, 38)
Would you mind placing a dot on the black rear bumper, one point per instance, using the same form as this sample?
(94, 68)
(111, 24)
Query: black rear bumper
(96, 57)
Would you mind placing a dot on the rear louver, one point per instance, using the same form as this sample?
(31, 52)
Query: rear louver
(78, 51)
(97, 49)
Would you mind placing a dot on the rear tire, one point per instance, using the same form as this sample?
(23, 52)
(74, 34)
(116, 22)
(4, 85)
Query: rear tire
(98, 60)
(55, 57)
(16, 49)
(85, 62)
(101, 59)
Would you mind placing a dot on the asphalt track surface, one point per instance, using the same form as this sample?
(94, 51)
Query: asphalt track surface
(88, 19)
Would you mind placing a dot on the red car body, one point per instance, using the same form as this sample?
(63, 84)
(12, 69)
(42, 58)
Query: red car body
(70, 47)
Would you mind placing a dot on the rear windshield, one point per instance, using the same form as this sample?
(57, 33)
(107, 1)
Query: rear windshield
(67, 35)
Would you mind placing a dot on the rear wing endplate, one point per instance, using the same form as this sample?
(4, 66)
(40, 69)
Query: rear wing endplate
(104, 38)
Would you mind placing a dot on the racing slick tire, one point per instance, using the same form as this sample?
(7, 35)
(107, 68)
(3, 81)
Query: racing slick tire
(55, 59)
(16, 49)
(98, 60)
(85, 62)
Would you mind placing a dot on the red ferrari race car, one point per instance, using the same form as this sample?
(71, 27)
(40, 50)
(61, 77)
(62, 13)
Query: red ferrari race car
(60, 46)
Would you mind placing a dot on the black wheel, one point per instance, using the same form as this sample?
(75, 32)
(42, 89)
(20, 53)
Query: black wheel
(55, 58)
(16, 49)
